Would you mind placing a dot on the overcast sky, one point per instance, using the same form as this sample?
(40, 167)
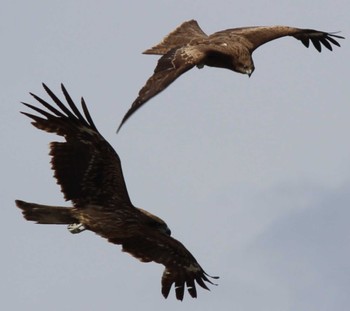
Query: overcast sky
(251, 174)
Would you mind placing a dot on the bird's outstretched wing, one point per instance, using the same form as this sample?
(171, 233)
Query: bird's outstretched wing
(258, 35)
(181, 268)
(170, 66)
(86, 167)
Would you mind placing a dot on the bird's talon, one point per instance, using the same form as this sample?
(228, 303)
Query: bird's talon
(76, 228)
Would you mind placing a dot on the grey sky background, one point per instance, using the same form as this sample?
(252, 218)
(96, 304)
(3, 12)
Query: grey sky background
(252, 175)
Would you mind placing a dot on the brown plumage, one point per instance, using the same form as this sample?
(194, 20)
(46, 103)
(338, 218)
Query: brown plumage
(188, 46)
(90, 175)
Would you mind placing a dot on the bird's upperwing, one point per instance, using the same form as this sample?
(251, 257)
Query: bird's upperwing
(181, 268)
(170, 66)
(85, 165)
(259, 35)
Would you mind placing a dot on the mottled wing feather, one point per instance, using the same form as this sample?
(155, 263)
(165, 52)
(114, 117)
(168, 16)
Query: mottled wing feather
(181, 268)
(259, 35)
(170, 66)
(86, 167)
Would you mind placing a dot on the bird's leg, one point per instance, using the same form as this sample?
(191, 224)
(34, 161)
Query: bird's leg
(76, 228)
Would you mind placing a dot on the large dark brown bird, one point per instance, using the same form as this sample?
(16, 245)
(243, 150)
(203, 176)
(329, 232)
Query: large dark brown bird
(188, 46)
(90, 175)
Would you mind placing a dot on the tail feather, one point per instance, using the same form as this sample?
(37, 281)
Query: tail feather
(181, 36)
(45, 214)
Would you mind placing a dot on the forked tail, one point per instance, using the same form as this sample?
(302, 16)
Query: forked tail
(45, 214)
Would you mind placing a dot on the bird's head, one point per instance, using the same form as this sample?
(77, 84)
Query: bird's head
(246, 67)
(249, 70)
(155, 222)
(243, 63)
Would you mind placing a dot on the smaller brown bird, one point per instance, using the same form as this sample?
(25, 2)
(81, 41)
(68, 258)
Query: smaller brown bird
(90, 175)
(188, 46)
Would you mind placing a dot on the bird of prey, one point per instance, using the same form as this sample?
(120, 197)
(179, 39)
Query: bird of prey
(90, 175)
(188, 46)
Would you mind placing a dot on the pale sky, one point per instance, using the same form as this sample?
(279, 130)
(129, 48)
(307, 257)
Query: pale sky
(252, 175)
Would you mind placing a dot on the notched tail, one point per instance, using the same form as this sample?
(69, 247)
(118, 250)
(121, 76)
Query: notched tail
(45, 214)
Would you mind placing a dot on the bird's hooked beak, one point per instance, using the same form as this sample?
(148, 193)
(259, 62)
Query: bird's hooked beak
(250, 72)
